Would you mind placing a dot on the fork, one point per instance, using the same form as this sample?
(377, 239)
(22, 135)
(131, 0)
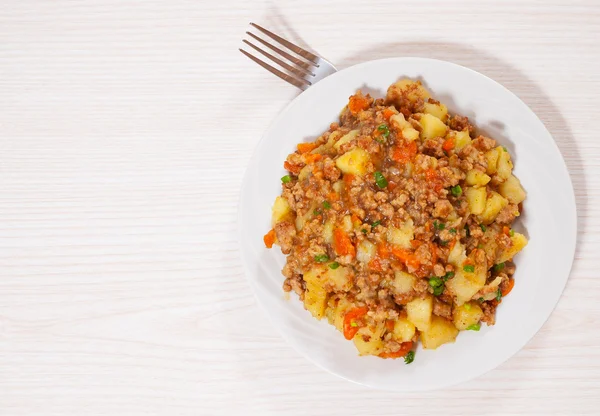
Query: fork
(301, 73)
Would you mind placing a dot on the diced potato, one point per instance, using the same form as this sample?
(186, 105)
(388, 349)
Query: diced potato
(365, 251)
(348, 137)
(477, 178)
(476, 198)
(441, 331)
(409, 133)
(280, 211)
(491, 245)
(305, 172)
(461, 138)
(403, 282)
(464, 285)
(493, 205)
(315, 300)
(438, 110)
(466, 315)
(457, 255)
(512, 190)
(338, 186)
(491, 157)
(402, 236)
(332, 138)
(411, 90)
(347, 223)
(374, 344)
(301, 219)
(505, 165)
(339, 313)
(339, 279)
(519, 241)
(328, 232)
(404, 330)
(432, 127)
(354, 162)
(419, 312)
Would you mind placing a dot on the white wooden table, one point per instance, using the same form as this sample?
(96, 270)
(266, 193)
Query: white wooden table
(125, 129)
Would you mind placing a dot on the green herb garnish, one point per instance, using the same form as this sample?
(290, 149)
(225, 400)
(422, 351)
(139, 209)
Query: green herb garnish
(500, 266)
(511, 233)
(364, 231)
(467, 306)
(474, 327)
(317, 212)
(286, 179)
(321, 258)
(385, 131)
(469, 268)
(483, 228)
(334, 265)
(452, 230)
(375, 224)
(447, 276)
(498, 295)
(409, 358)
(353, 324)
(439, 225)
(380, 180)
(456, 190)
(505, 149)
(326, 205)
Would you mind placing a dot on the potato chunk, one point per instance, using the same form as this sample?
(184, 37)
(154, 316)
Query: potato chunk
(280, 211)
(512, 190)
(505, 165)
(407, 130)
(466, 315)
(438, 110)
(402, 236)
(354, 162)
(477, 178)
(491, 157)
(419, 312)
(404, 330)
(407, 89)
(464, 284)
(476, 198)
(315, 300)
(441, 331)
(493, 205)
(519, 241)
(403, 282)
(432, 127)
(365, 251)
(348, 137)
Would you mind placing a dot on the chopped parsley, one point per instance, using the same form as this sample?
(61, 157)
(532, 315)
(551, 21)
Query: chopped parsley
(334, 265)
(375, 224)
(447, 276)
(286, 179)
(483, 228)
(469, 268)
(326, 205)
(474, 327)
(321, 258)
(437, 284)
(456, 190)
(452, 230)
(498, 295)
(500, 266)
(317, 212)
(409, 358)
(511, 233)
(439, 225)
(385, 131)
(364, 231)
(380, 180)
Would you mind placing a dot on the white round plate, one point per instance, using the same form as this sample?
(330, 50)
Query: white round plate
(549, 221)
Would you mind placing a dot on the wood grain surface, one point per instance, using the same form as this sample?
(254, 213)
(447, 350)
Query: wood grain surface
(125, 129)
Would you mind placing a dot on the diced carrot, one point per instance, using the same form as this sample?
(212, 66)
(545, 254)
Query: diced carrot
(415, 243)
(389, 325)
(406, 256)
(448, 144)
(333, 196)
(392, 185)
(357, 103)
(431, 174)
(342, 243)
(306, 147)
(506, 230)
(355, 219)
(295, 169)
(311, 158)
(269, 238)
(405, 347)
(387, 113)
(353, 321)
(348, 178)
(434, 252)
(383, 251)
(375, 265)
(405, 153)
(508, 287)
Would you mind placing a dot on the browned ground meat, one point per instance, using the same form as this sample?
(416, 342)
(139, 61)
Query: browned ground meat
(378, 214)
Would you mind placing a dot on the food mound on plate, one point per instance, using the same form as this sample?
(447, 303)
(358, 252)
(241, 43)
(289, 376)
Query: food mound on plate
(397, 223)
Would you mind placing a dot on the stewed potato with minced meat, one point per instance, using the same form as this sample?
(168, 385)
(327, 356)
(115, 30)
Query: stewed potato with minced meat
(397, 223)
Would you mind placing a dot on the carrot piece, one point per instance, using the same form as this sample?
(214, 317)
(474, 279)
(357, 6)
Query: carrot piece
(405, 153)
(506, 230)
(449, 144)
(348, 178)
(387, 113)
(342, 243)
(311, 158)
(269, 238)
(375, 265)
(306, 147)
(383, 250)
(357, 103)
(406, 257)
(352, 323)
(509, 286)
(405, 347)
(389, 325)
(295, 169)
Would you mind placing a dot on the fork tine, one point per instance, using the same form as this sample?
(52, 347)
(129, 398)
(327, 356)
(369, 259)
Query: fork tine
(303, 53)
(302, 84)
(303, 64)
(295, 71)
